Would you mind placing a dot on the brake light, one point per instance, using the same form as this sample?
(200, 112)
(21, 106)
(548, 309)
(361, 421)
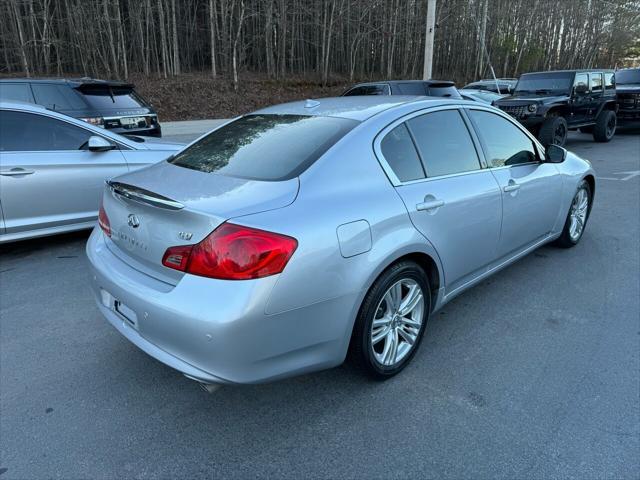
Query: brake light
(103, 221)
(96, 121)
(233, 252)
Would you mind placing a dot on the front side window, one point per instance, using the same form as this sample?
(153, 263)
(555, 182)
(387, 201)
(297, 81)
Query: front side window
(596, 82)
(264, 147)
(400, 153)
(504, 143)
(17, 92)
(28, 132)
(582, 79)
(609, 81)
(444, 143)
(378, 89)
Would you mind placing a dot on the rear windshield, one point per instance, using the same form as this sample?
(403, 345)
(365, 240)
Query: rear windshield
(264, 147)
(628, 76)
(105, 98)
(542, 83)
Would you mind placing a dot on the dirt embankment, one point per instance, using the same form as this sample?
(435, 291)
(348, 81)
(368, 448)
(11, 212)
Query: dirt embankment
(199, 96)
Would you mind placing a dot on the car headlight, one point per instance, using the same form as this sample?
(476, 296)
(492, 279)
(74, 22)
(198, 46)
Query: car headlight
(532, 108)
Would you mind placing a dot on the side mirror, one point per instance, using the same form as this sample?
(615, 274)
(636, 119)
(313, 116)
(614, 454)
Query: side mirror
(555, 154)
(581, 89)
(99, 144)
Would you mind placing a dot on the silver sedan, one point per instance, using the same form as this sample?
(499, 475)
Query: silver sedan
(53, 168)
(289, 238)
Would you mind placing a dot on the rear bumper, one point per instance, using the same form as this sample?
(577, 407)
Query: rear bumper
(216, 331)
(143, 132)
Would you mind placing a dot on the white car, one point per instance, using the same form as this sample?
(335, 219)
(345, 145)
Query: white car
(53, 168)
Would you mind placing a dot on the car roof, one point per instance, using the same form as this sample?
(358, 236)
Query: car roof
(359, 108)
(73, 82)
(578, 70)
(442, 83)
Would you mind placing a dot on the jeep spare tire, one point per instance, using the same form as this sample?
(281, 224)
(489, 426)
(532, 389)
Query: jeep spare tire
(605, 127)
(553, 131)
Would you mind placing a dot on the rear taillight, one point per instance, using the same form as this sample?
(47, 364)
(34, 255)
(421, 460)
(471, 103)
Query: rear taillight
(233, 252)
(103, 221)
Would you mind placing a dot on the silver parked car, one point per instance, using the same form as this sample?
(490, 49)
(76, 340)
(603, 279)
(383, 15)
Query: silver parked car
(53, 168)
(289, 237)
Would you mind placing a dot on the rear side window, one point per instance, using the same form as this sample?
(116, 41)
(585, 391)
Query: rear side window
(17, 92)
(380, 89)
(106, 98)
(265, 147)
(29, 132)
(609, 81)
(57, 97)
(411, 88)
(503, 142)
(400, 153)
(596, 82)
(444, 143)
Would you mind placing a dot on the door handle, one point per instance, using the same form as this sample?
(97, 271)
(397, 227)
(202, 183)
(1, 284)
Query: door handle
(512, 187)
(15, 172)
(430, 205)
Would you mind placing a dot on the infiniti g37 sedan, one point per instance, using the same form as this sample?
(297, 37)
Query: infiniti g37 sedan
(53, 168)
(293, 237)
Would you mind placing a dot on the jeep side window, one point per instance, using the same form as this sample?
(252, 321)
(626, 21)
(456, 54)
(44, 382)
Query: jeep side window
(609, 82)
(581, 79)
(596, 82)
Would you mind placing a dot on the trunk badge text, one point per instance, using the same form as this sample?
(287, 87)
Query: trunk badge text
(185, 235)
(133, 221)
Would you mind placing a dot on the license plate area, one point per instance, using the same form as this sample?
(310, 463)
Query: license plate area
(131, 122)
(126, 313)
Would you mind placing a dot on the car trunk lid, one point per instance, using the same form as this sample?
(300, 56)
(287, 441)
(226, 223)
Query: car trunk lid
(165, 205)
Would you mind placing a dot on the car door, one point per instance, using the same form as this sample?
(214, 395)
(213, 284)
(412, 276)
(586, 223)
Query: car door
(580, 102)
(596, 83)
(455, 203)
(47, 177)
(531, 189)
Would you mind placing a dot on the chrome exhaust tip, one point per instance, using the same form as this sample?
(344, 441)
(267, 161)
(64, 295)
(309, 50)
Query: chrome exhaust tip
(209, 387)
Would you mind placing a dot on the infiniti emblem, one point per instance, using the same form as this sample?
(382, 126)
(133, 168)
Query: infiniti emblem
(133, 221)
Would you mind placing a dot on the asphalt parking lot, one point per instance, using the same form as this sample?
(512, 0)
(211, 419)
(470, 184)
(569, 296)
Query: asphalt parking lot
(533, 373)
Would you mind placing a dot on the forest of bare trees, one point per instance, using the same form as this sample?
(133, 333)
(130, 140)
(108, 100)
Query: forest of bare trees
(354, 39)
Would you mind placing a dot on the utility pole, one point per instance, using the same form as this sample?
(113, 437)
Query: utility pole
(428, 41)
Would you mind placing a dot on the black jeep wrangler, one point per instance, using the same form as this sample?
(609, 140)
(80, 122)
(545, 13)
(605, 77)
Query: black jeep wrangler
(550, 104)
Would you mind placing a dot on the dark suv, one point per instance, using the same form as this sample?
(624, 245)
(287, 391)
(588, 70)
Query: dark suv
(433, 88)
(628, 88)
(550, 104)
(112, 105)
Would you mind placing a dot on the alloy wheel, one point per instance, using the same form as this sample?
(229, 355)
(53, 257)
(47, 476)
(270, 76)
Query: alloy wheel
(397, 322)
(578, 214)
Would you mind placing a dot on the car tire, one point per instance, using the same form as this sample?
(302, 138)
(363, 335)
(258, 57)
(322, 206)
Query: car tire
(605, 127)
(553, 131)
(586, 129)
(569, 237)
(372, 345)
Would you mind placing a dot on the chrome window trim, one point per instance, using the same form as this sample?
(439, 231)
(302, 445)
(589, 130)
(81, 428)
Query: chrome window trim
(395, 181)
